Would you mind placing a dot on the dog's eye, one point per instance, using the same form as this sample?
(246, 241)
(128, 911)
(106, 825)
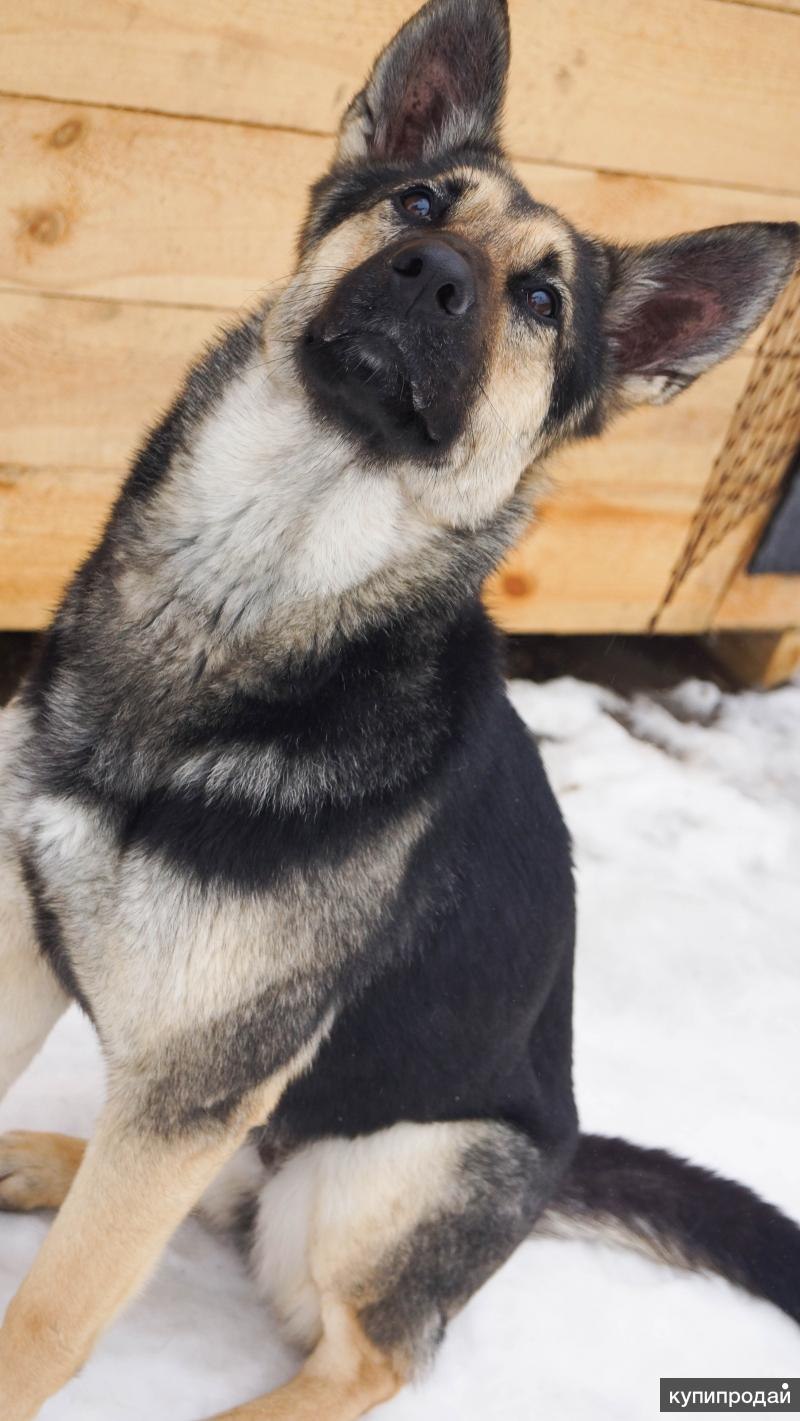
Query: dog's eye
(418, 202)
(542, 301)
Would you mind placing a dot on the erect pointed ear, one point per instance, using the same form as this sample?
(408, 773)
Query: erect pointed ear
(678, 307)
(438, 84)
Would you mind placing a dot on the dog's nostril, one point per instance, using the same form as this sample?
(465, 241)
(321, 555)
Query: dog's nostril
(451, 299)
(454, 298)
(432, 280)
(408, 265)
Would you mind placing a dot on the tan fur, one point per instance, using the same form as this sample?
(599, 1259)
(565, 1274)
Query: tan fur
(186, 956)
(31, 1000)
(129, 1195)
(515, 242)
(37, 1170)
(330, 1216)
(343, 1378)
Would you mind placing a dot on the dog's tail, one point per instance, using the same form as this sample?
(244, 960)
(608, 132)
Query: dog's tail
(677, 1213)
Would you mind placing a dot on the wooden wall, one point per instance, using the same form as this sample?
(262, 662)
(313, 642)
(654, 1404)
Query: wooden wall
(155, 156)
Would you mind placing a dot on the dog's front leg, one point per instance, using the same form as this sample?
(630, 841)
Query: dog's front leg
(132, 1190)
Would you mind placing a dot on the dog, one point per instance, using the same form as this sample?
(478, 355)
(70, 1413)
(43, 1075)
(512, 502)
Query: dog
(267, 813)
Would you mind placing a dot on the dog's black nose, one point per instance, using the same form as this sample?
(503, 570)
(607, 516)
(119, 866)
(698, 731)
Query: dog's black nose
(432, 279)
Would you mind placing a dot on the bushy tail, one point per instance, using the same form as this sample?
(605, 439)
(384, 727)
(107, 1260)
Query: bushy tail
(679, 1214)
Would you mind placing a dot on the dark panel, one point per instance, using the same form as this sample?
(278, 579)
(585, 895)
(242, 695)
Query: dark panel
(779, 549)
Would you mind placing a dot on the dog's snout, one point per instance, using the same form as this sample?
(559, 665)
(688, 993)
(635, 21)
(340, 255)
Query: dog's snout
(432, 279)
(399, 342)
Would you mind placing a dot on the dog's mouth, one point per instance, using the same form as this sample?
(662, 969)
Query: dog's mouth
(364, 380)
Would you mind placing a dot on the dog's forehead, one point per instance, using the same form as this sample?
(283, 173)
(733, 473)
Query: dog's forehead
(499, 214)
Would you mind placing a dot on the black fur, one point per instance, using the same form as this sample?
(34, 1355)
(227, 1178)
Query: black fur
(435, 1271)
(687, 1214)
(49, 934)
(471, 1020)
(582, 361)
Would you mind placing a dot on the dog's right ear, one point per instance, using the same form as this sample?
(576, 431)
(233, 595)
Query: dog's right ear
(438, 85)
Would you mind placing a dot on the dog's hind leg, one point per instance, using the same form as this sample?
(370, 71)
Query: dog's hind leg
(31, 998)
(345, 1377)
(368, 1247)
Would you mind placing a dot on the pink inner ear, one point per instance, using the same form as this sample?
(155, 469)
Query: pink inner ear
(669, 327)
(426, 99)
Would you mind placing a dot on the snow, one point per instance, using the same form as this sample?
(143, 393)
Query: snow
(685, 810)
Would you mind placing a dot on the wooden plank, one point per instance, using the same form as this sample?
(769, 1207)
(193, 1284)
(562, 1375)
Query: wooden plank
(762, 659)
(49, 519)
(621, 207)
(682, 88)
(760, 444)
(139, 207)
(792, 7)
(601, 552)
(765, 601)
(149, 208)
(81, 381)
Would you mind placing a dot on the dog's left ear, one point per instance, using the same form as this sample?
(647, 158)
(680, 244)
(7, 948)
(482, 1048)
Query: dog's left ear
(676, 308)
(439, 84)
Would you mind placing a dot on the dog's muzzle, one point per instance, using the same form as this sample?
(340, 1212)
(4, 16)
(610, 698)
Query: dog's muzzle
(393, 355)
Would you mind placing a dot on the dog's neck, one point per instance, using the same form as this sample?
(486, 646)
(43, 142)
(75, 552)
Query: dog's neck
(250, 558)
(268, 527)
(265, 510)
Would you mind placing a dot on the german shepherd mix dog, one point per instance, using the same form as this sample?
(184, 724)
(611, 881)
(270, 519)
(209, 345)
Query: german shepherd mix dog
(268, 814)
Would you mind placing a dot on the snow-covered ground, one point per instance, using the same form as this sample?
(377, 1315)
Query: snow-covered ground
(686, 816)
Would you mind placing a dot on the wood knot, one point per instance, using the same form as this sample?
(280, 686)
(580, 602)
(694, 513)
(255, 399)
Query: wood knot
(515, 585)
(47, 225)
(66, 133)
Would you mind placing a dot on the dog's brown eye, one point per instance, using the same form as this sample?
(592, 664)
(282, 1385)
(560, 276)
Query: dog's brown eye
(542, 301)
(418, 202)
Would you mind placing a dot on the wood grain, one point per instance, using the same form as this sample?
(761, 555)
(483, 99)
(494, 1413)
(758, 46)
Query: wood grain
(142, 207)
(49, 519)
(601, 552)
(792, 7)
(762, 659)
(764, 601)
(683, 88)
(80, 381)
(137, 206)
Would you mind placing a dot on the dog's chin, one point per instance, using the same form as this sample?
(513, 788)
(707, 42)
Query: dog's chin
(363, 382)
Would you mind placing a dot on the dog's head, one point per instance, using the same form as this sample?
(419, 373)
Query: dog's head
(453, 328)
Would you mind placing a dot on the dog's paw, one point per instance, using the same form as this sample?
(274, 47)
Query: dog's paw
(36, 1170)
